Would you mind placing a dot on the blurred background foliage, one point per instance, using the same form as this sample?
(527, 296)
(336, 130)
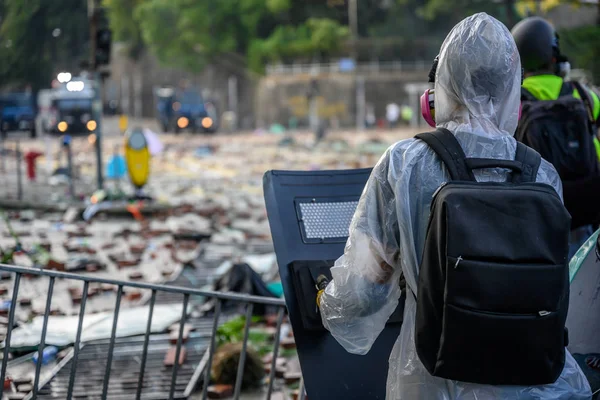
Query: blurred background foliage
(189, 34)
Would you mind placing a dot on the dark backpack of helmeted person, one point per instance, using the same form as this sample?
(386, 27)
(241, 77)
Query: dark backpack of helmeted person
(561, 131)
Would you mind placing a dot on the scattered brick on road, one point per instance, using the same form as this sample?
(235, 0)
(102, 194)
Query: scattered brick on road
(136, 276)
(292, 377)
(220, 391)
(127, 263)
(55, 265)
(169, 360)
(25, 302)
(288, 343)
(174, 335)
(133, 295)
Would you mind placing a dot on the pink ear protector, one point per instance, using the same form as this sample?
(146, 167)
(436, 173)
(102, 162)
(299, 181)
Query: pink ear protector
(428, 107)
(427, 99)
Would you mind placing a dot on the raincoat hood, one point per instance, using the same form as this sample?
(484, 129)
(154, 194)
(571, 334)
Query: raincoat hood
(478, 78)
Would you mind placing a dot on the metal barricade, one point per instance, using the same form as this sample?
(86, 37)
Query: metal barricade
(204, 365)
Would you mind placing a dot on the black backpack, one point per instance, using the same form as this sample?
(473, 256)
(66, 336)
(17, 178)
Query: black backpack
(493, 290)
(561, 131)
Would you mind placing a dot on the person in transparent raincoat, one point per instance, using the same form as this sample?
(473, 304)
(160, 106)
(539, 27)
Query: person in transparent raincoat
(477, 95)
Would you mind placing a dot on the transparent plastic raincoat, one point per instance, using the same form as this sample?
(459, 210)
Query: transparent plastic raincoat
(477, 94)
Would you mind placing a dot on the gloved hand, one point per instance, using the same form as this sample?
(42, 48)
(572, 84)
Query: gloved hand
(319, 294)
(322, 283)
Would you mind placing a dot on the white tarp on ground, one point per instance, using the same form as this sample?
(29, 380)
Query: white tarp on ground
(62, 331)
(155, 146)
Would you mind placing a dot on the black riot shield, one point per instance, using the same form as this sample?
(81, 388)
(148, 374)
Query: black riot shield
(309, 215)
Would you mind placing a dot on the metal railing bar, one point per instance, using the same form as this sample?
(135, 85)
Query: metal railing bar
(129, 388)
(211, 350)
(302, 392)
(91, 381)
(275, 352)
(149, 396)
(137, 349)
(11, 319)
(197, 372)
(142, 285)
(241, 364)
(76, 346)
(130, 339)
(88, 390)
(145, 348)
(186, 299)
(38, 365)
(111, 347)
(153, 355)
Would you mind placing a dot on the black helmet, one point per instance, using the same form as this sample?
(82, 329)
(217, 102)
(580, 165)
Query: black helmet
(537, 42)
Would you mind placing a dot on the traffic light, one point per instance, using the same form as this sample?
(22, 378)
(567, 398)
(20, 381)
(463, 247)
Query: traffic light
(103, 44)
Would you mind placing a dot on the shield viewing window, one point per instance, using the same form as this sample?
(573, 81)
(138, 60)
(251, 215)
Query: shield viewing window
(325, 219)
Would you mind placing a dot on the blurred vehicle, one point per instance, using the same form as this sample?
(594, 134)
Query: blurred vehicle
(111, 107)
(164, 107)
(17, 113)
(71, 110)
(185, 110)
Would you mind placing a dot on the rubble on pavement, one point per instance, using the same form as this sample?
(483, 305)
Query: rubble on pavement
(213, 218)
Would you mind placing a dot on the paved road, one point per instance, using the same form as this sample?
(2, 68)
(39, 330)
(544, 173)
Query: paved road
(223, 170)
(191, 164)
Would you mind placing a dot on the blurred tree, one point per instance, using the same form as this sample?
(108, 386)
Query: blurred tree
(190, 33)
(459, 9)
(39, 36)
(317, 39)
(125, 28)
(509, 11)
(582, 47)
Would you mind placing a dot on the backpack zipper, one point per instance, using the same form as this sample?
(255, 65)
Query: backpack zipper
(458, 260)
(543, 313)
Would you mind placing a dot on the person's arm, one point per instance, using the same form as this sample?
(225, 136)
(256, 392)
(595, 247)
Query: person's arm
(365, 288)
(595, 104)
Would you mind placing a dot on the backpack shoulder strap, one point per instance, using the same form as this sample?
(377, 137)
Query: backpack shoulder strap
(586, 100)
(566, 89)
(531, 160)
(445, 145)
(526, 95)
